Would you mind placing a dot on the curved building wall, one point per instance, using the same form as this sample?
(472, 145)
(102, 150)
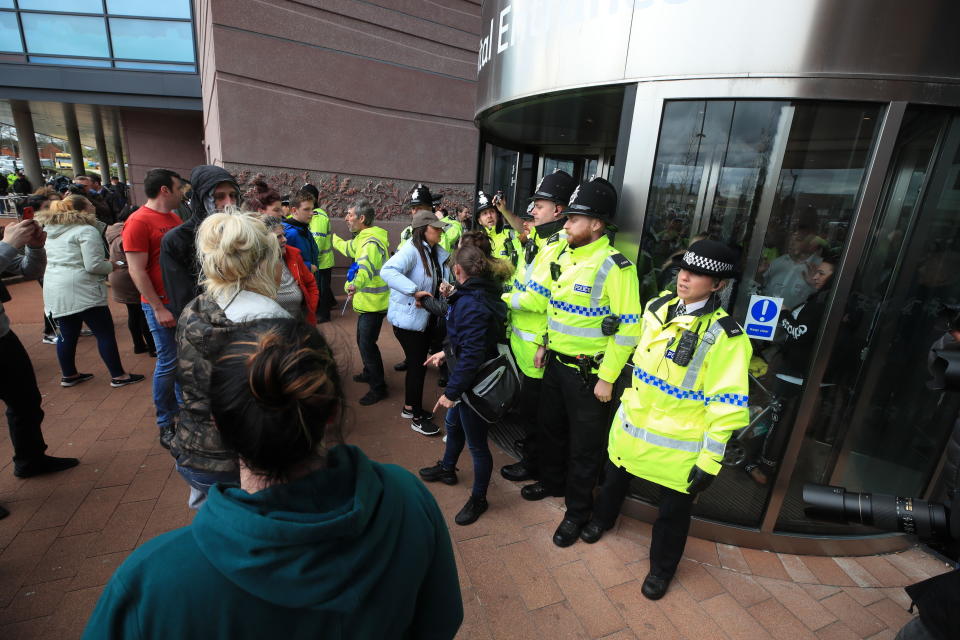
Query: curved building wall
(795, 131)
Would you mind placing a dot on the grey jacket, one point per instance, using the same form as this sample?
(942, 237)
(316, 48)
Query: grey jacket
(29, 266)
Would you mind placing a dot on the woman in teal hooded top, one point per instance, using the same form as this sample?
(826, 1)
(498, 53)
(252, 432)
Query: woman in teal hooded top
(312, 544)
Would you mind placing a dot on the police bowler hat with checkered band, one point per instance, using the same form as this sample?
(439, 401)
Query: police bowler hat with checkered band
(556, 187)
(710, 258)
(596, 198)
(420, 196)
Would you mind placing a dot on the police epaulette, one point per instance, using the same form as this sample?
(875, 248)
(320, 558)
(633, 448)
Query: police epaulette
(621, 260)
(554, 238)
(730, 326)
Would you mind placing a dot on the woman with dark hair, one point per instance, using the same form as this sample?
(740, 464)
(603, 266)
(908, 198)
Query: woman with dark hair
(263, 198)
(800, 327)
(476, 323)
(416, 267)
(123, 289)
(316, 542)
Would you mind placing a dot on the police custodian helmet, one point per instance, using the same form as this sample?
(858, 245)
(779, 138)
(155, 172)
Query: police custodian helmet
(483, 203)
(596, 198)
(556, 187)
(420, 196)
(710, 258)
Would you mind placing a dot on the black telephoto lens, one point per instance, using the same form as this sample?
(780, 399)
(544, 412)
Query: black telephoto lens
(927, 520)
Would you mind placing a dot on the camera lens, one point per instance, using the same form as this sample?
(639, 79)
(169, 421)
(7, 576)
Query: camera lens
(885, 512)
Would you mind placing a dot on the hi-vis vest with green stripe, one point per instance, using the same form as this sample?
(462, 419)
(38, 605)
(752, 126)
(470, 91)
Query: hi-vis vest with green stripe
(674, 417)
(594, 281)
(369, 250)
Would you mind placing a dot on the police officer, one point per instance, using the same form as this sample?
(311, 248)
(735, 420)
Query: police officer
(688, 394)
(504, 242)
(527, 328)
(320, 230)
(420, 198)
(589, 292)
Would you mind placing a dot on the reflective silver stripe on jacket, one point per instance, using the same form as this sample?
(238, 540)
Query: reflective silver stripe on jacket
(596, 293)
(626, 341)
(714, 447)
(524, 335)
(515, 301)
(375, 289)
(696, 363)
(581, 332)
(656, 439)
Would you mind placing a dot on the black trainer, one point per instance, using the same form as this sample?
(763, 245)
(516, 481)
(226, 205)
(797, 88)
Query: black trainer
(42, 465)
(373, 397)
(474, 508)
(408, 414)
(437, 473)
(132, 378)
(75, 380)
(3, 512)
(424, 425)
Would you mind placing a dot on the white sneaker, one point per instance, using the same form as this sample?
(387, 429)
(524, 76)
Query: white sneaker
(424, 426)
(48, 339)
(408, 414)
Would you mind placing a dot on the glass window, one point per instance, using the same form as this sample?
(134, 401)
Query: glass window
(877, 427)
(71, 6)
(168, 9)
(712, 175)
(154, 66)
(65, 35)
(6, 4)
(72, 62)
(9, 33)
(152, 40)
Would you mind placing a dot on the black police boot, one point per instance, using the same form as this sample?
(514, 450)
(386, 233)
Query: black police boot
(591, 532)
(537, 491)
(567, 533)
(654, 587)
(518, 472)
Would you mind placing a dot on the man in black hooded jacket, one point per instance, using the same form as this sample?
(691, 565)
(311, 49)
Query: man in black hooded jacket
(213, 189)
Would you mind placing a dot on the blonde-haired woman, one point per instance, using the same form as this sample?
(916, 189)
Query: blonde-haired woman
(240, 267)
(74, 290)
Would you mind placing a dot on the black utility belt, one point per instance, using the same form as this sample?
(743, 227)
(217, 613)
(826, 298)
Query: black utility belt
(578, 361)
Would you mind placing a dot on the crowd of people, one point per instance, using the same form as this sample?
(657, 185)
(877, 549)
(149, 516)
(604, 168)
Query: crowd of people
(248, 398)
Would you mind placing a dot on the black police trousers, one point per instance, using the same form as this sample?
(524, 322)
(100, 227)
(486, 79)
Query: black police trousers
(573, 428)
(670, 530)
(528, 407)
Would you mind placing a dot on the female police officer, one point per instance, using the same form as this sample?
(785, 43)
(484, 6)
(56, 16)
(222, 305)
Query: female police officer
(689, 393)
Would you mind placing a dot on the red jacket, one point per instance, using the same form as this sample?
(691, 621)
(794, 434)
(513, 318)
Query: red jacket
(298, 268)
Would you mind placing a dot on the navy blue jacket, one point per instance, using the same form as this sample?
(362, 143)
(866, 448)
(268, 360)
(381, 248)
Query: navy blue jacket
(299, 236)
(476, 322)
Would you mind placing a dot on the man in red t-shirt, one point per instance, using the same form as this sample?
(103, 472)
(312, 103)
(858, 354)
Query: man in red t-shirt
(141, 242)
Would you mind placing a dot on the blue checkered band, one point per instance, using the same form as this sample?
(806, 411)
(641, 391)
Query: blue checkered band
(736, 399)
(519, 286)
(590, 312)
(666, 387)
(317, 234)
(630, 318)
(536, 287)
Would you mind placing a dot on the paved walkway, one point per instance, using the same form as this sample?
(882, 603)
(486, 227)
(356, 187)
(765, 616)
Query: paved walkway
(69, 531)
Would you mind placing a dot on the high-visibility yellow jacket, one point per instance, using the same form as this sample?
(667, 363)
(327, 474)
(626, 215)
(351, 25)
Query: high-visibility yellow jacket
(505, 244)
(451, 235)
(594, 281)
(528, 328)
(674, 417)
(369, 250)
(320, 229)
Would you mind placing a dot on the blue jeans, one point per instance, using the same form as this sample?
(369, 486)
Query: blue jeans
(462, 421)
(166, 391)
(201, 481)
(101, 322)
(368, 332)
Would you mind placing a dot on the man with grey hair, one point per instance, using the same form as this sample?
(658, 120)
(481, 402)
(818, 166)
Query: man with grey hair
(369, 292)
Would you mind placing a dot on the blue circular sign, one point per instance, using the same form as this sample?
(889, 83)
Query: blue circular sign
(763, 310)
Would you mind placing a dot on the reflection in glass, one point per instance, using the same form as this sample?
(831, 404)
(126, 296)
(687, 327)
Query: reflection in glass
(168, 9)
(65, 35)
(9, 33)
(70, 62)
(559, 164)
(6, 4)
(713, 164)
(71, 6)
(154, 66)
(152, 40)
(879, 428)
